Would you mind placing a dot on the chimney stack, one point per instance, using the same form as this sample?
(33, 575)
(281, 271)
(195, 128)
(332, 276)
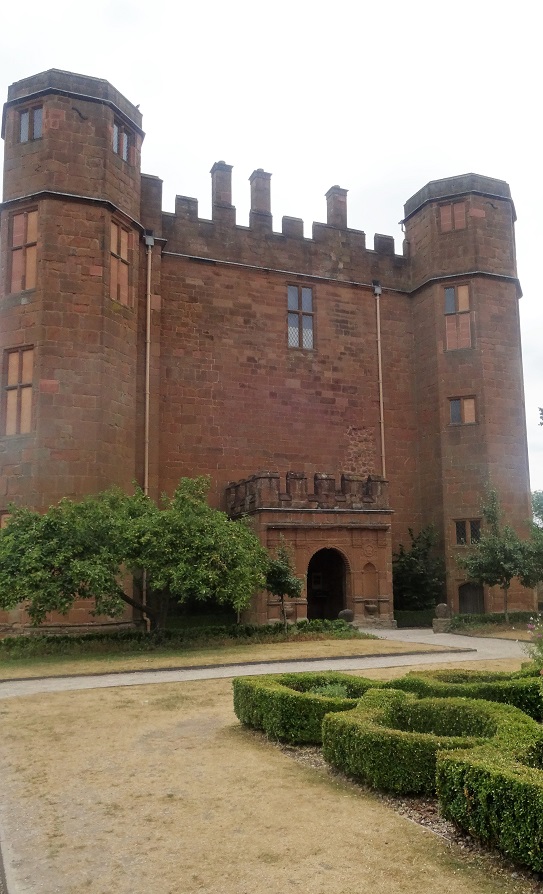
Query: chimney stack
(260, 199)
(336, 206)
(221, 192)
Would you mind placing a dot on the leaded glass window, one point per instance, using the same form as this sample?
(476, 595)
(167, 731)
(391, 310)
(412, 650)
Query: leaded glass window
(300, 317)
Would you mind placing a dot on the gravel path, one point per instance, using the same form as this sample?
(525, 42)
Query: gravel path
(455, 648)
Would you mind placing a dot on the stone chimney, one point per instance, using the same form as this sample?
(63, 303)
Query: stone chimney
(221, 192)
(260, 214)
(336, 207)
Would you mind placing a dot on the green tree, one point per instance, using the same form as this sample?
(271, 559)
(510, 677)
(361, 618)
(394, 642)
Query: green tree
(280, 578)
(191, 551)
(537, 507)
(86, 550)
(418, 575)
(500, 554)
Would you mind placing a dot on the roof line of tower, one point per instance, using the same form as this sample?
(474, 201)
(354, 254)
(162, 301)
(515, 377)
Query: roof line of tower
(85, 97)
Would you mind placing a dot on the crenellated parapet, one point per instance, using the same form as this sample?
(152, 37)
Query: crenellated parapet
(263, 491)
(334, 250)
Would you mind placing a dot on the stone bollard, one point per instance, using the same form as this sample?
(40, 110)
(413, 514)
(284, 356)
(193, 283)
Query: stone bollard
(441, 621)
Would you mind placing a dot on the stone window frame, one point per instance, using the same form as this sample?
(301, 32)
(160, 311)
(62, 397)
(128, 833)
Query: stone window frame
(18, 375)
(457, 310)
(120, 247)
(30, 123)
(23, 271)
(452, 216)
(123, 141)
(463, 410)
(300, 336)
(467, 531)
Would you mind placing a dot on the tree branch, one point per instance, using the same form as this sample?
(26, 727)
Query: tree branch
(140, 606)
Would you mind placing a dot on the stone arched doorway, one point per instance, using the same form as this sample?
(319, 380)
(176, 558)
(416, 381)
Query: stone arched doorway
(326, 584)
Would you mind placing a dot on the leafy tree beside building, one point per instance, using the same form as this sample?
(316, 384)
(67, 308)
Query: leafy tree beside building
(89, 549)
(418, 574)
(500, 554)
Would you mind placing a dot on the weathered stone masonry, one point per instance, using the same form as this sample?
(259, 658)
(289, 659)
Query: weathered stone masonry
(228, 395)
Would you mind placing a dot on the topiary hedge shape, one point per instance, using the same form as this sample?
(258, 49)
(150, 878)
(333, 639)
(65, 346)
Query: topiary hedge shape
(484, 758)
(521, 691)
(391, 741)
(495, 792)
(284, 707)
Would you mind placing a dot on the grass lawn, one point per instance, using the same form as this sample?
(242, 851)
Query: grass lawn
(60, 665)
(159, 790)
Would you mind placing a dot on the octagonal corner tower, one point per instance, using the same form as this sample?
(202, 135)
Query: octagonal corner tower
(69, 287)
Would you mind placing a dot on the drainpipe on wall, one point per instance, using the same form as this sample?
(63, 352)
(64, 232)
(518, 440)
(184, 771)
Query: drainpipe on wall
(377, 292)
(149, 243)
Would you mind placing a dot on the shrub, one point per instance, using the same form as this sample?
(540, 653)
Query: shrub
(285, 706)
(485, 759)
(459, 622)
(333, 690)
(421, 618)
(495, 792)
(392, 743)
(104, 642)
(520, 691)
(418, 573)
(535, 648)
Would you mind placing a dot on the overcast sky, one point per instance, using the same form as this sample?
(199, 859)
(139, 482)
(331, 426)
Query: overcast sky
(377, 97)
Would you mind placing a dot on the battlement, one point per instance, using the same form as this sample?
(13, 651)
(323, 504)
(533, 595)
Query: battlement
(333, 251)
(263, 491)
(261, 218)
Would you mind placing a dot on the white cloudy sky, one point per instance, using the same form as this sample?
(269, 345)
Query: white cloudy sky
(379, 97)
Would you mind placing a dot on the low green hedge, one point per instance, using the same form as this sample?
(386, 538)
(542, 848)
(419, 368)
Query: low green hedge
(391, 742)
(421, 618)
(468, 675)
(37, 645)
(519, 619)
(482, 754)
(495, 792)
(522, 692)
(283, 706)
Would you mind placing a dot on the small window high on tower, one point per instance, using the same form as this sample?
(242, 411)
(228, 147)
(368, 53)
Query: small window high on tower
(30, 124)
(123, 140)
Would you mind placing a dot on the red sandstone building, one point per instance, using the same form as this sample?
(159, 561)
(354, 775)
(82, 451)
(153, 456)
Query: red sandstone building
(339, 394)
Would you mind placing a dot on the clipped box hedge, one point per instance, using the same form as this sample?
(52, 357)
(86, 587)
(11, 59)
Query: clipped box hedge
(392, 739)
(524, 692)
(283, 707)
(465, 734)
(495, 792)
